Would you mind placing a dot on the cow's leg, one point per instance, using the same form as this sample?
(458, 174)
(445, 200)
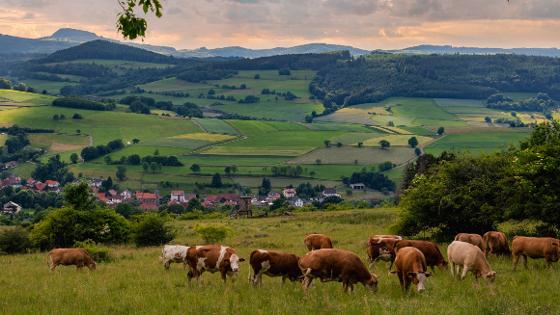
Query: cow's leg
(167, 264)
(401, 279)
(283, 279)
(525, 262)
(464, 273)
(452, 269)
(306, 283)
(515, 261)
(223, 273)
(407, 283)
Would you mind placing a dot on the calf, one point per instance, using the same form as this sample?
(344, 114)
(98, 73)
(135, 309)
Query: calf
(474, 239)
(430, 250)
(174, 253)
(70, 256)
(411, 268)
(496, 243)
(315, 241)
(212, 258)
(471, 258)
(273, 264)
(336, 265)
(535, 247)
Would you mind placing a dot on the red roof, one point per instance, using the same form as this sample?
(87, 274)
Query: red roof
(51, 183)
(177, 193)
(101, 196)
(40, 186)
(145, 195)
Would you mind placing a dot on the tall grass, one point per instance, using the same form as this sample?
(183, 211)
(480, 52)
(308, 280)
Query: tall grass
(136, 283)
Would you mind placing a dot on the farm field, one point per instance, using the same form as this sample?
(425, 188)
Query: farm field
(136, 282)
(51, 87)
(478, 142)
(16, 99)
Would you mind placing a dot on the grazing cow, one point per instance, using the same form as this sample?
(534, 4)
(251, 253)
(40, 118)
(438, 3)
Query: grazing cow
(315, 241)
(535, 247)
(411, 268)
(471, 258)
(474, 239)
(430, 250)
(70, 256)
(174, 253)
(496, 243)
(395, 237)
(212, 258)
(274, 264)
(380, 248)
(340, 265)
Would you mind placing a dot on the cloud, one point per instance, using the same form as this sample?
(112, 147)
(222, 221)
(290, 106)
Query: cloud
(270, 23)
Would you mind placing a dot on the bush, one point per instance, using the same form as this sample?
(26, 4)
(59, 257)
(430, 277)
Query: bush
(64, 227)
(151, 230)
(81, 103)
(98, 252)
(212, 233)
(14, 241)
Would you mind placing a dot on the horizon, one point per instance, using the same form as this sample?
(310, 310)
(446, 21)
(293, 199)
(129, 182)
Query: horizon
(265, 24)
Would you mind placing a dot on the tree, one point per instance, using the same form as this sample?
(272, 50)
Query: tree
(195, 168)
(418, 151)
(216, 181)
(107, 184)
(227, 170)
(121, 173)
(154, 167)
(79, 197)
(77, 116)
(135, 141)
(152, 230)
(440, 131)
(413, 142)
(327, 143)
(384, 144)
(360, 144)
(55, 169)
(129, 24)
(5, 84)
(74, 158)
(488, 120)
(145, 166)
(14, 241)
(339, 144)
(266, 187)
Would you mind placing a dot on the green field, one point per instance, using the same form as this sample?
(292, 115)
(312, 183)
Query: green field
(136, 282)
(16, 99)
(478, 142)
(52, 87)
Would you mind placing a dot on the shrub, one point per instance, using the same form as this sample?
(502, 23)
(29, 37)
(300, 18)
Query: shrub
(98, 252)
(151, 230)
(64, 227)
(14, 241)
(212, 233)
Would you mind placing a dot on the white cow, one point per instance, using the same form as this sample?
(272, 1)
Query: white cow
(174, 253)
(471, 258)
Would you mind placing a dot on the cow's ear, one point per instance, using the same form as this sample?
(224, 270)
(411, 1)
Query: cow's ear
(241, 259)
(427, 273)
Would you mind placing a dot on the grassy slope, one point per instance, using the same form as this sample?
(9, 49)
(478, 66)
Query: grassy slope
(137, 283)
(478, 142)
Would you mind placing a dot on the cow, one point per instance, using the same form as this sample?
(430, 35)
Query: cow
(315, 241)
(330, 264)
(474, 239)
(274, 264)
(380, 248)
(396, 237)
(471, 258)
(174, 253)
(212, 258)
(535, 247)
(496, 243)
(411, 268)
(430, 250)
(70, 256)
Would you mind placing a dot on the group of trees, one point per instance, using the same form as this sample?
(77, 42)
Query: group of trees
(143, 104)
(54, 169)
(540, 103)
(446, 195)
(81, 103)
(373, 180)
(91, 153)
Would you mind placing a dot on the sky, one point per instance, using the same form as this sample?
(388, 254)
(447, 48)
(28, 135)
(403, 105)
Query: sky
(368, 24)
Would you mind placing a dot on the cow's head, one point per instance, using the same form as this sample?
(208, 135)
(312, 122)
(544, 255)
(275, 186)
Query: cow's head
(233, 262)
(442, 264)
(490, 276)
(371, 283)
(419, 280)
(92, 265)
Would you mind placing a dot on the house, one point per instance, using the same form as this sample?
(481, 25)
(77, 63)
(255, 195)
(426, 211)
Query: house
(11, 208)
(53, 185)
(40, 186)
(10, 181)
(96, 182)
(330, 192)
(298, 203)
(126, 195)
(10, 164)
(273, 196)
(221, 200)
(148, 201)
(178, 196)
(289, 193)
(358, 186)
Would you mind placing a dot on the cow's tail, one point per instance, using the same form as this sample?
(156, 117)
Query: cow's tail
(49, 261)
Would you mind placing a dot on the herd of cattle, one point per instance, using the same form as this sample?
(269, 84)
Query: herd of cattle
(411, 259)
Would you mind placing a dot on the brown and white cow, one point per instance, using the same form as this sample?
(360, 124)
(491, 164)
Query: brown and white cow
(174, 253)
(315, 241)
(496, 243)
(332, 264)
(471, 258)
(380, 248)
(395, 237)
(274, 264)
(535, 247)
(212, 258)
(430, 250)
(474, 239)
(78, 257)
(411, 268)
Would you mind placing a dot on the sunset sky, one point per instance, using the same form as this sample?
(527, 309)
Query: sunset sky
(369, 24)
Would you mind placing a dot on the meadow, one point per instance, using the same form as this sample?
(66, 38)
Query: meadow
(136, 282)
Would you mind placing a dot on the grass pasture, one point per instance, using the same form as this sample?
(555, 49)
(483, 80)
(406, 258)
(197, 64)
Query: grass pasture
(351, 155)
(135, 282)
(477, 142)
(23, 99)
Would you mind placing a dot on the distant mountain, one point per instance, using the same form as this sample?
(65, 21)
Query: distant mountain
(448, 49)
(236, 51)
(71, 35)
(102, 49)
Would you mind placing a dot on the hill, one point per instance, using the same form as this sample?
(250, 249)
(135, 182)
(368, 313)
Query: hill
(101, 49)
(448, 49)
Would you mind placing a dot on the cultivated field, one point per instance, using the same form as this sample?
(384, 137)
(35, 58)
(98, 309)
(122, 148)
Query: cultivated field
(136, 283)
